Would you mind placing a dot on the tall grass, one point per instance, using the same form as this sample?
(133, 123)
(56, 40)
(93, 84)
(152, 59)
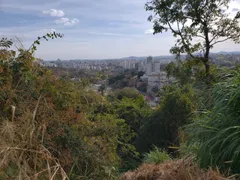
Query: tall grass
(22, 154)
(217, 130)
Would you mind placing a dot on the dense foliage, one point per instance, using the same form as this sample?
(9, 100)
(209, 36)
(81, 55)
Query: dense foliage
(161, 127)
(125, 78)
(130, 105)
(217, 130)
(53, 127)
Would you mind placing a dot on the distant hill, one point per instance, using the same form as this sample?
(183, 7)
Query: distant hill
(125, 58)
(172, 56)
(144, 57)
(224, 52)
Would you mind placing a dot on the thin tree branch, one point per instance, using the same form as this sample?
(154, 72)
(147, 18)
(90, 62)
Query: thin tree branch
(200, 36)
(182, 38)
(216, 42)
(214, 37)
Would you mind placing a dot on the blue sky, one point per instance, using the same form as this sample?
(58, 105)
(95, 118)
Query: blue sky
(92, 28)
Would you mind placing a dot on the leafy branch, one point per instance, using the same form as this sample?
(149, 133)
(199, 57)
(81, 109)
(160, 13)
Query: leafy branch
(48, 36)
(4, 42)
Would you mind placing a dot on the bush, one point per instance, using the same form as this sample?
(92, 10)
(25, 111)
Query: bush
(156, 156)
(130, 106)
(125, 93)
(161, 127)
(217, 130)
(53, 128)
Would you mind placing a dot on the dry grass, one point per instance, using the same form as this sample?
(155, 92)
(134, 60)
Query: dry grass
(183, 169)
(22, 153)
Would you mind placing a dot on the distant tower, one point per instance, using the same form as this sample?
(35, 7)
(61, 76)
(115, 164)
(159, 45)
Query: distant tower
(149, 65)
(149, 59)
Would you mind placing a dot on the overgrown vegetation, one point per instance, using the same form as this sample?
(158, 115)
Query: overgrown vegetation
(161, 127)
(216, 130)
(53, 128)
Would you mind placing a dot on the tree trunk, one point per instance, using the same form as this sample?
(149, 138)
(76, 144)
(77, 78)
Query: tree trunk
(207, 48)
(207, 70)
(206, 61)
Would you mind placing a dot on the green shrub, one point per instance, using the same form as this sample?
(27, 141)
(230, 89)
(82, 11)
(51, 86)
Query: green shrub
(156, 156)
(161, 127)
(186, 150)
(217, 130)
(52, 128)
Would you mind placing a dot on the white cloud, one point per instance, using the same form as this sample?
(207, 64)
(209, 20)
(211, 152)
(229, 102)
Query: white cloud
(114, 28)
(54, 13)
(235, 9)
(49, 30)
(72, 22)
(44, 31)
(62, 20)
(149, 31)
(67, 21)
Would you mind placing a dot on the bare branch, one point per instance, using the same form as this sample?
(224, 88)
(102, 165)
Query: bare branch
(216, 42)
(214, 37)
(200, 36)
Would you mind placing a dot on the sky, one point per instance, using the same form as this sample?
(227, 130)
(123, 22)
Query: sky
(93, 29)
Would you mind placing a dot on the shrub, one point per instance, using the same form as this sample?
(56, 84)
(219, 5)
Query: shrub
(125, 93)
(156, 156)
(56, 128)
(216, 131)
(161, 127)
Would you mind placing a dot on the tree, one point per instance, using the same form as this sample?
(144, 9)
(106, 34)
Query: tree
(140, 74)
(161, 127)
(102, 88)
(186, 72)
(131, 93)
(155, 89)
(198, 24)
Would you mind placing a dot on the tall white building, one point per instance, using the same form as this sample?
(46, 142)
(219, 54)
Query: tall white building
(157, 66)
(153, 75)
(128, 64)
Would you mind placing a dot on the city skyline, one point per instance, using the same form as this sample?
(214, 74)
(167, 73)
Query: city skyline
(102, 29)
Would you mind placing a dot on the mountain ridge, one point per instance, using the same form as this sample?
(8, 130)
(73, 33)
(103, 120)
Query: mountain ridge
(144, 57)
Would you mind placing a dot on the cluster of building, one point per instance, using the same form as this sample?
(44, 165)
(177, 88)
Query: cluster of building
(154, 76)
(78, 64)
(129, 64)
